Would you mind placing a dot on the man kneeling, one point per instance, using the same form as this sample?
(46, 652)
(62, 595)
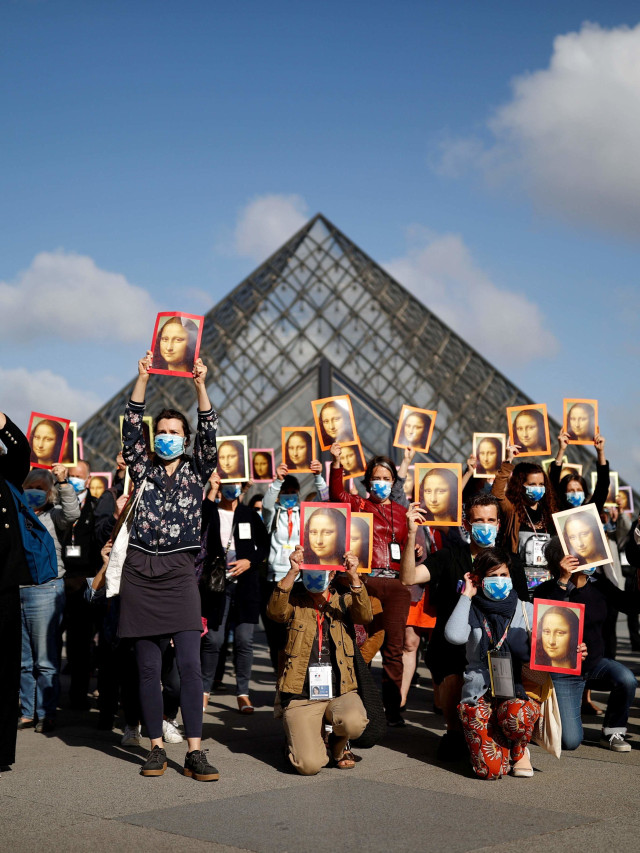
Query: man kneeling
(318, 684)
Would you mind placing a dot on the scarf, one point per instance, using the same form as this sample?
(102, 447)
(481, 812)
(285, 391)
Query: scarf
(498, 615)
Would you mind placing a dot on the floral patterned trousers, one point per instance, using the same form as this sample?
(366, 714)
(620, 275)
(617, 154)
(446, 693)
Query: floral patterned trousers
(497, 733)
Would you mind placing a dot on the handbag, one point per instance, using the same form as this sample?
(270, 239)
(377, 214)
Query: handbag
(121, 543)
(547, 732)
(368, 692)
(214, 570)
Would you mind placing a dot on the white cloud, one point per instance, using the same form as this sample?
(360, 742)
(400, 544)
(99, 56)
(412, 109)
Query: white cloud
(23, 391)
(65, 295)
(439, 270)
(267, 222)
(569, 135)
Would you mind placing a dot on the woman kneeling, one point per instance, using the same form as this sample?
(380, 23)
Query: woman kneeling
(498, 717)
(318, 684)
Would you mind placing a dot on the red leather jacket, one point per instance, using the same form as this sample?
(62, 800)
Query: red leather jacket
(387, 520)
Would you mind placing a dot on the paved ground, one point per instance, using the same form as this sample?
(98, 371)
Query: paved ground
(79, 790)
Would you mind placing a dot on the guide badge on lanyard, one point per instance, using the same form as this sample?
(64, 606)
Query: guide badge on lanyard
(320, 681)
(73, 550)
(500, 667)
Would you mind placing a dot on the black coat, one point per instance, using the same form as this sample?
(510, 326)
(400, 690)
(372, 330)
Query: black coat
(256, 549)
(83, 535)
(14, 467)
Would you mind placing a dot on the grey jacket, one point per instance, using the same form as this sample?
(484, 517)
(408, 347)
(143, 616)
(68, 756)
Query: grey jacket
(60, 518)
(458, 631)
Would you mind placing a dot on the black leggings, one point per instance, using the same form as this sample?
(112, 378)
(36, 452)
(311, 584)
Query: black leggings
(149, 653)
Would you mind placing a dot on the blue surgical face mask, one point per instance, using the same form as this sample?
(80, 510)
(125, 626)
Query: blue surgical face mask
(78, 484)
(315, 581)
(231, 491)
(289, 501)
(575, 498)
(535, 493)
(380, 489)
(497, 589)
(35, 498)
(484, 535)
(589, 572)
(169, 446)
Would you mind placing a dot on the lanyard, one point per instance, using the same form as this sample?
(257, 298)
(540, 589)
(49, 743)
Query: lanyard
(320, 623)
(534, 528)
(498, 646)
(389, 525)
(290, 523)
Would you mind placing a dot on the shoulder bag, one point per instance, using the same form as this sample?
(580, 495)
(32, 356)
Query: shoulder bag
(214, 570)
(122, 532)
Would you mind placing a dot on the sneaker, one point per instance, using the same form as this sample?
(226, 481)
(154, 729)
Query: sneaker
(616, 742)
(196, 764)
(170, 733)
(156, 762)
(131, 736)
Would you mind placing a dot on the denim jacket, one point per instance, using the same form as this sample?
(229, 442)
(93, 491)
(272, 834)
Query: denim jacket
(169, 514)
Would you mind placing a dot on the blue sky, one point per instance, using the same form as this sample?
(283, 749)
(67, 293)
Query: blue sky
(155, 152)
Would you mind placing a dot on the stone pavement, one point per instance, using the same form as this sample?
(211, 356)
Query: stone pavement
(79, 790)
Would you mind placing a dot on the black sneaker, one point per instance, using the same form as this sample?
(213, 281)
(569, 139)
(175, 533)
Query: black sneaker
(156, 762)
(452, 747)
(196, 764)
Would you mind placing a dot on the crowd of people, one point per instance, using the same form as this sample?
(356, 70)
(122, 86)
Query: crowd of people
(202, 561)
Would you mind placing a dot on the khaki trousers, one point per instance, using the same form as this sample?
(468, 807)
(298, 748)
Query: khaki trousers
(303, 726)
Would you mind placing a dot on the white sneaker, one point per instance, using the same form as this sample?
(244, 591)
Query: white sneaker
(131, 736)
(170, 733)
(616, 742)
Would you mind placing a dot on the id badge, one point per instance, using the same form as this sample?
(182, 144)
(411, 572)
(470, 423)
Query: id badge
(288, 548)
(394, 551)
(73, 551)
(501, 674)
(538, 552)
(244, 530)
(320, 686)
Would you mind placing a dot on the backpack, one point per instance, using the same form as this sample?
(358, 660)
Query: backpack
(39, 547)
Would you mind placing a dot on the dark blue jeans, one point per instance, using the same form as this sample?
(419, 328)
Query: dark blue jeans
(213, 641)
(42, 608)
(607, 675)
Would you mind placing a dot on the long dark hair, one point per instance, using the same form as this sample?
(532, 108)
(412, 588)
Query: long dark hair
(340, 522)
(57, 448)
(516, 494)
(307, 440)
(192, 331)
(541, 657)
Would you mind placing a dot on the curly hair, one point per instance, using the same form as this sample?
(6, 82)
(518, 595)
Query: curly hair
(516, 494)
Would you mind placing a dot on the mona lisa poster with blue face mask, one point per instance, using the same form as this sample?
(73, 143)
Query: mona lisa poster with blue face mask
(325, 535)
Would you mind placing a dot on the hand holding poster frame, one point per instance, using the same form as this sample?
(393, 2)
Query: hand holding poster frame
(438, 490)
(556, 636)
(580, 420)
(325, 535)
(582, 536)
(46, 435)
(415, 428)
(529, 429)
(334, 420)
(176, 343)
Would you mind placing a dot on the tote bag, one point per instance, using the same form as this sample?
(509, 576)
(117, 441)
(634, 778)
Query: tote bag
(121, 543)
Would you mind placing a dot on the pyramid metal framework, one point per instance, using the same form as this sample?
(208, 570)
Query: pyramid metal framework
(318, 318)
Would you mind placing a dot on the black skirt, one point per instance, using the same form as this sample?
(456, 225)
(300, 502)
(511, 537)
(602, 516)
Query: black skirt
(158, 594)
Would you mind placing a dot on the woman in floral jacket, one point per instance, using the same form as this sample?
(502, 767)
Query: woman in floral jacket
(159, 598)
